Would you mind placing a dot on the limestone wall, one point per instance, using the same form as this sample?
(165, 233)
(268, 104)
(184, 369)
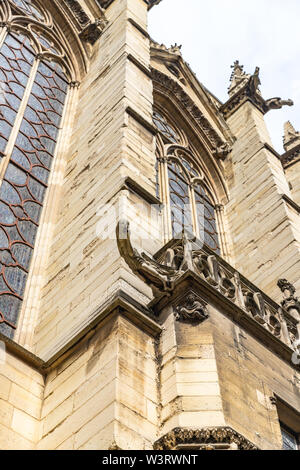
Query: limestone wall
(249, 376)
(189, 384)
(104, 395)
(21, 394)
(108, 143)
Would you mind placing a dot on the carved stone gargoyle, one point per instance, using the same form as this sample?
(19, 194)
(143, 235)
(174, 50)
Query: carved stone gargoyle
(277, 103)
(159, 277)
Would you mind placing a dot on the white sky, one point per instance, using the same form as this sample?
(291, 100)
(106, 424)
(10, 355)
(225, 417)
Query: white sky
(214, 33)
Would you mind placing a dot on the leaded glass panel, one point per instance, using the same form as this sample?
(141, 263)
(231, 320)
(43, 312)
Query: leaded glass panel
(23, 189)
(16, 60)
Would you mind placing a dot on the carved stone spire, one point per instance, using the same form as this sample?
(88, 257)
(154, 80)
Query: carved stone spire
(291, 137)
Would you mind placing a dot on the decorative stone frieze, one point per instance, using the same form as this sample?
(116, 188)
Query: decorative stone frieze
(180, 257)
(206, 438)
(245, 87)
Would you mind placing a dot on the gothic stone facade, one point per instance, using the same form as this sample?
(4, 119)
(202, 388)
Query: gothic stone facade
(132, 341)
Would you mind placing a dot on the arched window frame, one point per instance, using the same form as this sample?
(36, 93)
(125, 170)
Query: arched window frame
(169, 151)
(14, 20)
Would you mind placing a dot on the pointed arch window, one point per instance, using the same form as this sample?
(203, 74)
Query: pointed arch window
(34, 77)
(187, 198)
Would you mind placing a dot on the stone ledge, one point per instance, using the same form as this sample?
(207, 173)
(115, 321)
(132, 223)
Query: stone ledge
(119, 304)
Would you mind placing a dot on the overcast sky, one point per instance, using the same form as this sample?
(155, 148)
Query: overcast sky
(214, 33)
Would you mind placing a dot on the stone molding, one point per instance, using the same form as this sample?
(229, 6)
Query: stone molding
(120, 303)
(78, 12)
(204, 436)
(90, 30)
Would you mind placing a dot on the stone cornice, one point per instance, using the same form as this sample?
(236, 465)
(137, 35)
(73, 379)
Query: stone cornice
(204, 438)
(220, 147)
(291, 157)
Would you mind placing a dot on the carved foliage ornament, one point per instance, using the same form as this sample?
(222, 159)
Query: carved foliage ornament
(210, 436)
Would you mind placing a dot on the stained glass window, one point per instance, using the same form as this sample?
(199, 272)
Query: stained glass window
(165, 128)
(188, 203)
(27, 8)
(191, 208)
(33, 94)
(16, 59)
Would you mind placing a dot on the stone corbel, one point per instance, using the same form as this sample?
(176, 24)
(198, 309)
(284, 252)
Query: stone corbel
(92, 32)
(245, 87)
(222, 151)
(191, 309)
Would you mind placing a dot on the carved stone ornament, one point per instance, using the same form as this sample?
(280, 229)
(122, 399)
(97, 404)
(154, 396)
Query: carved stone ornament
(291, 137)
(216, 143)
(77, 10)
(222, 151)
(207, 436)
(106, 3)
(93, 31)
(193, 309)
(162, 274)
(245, 87)
(290, 301)
(291, 144)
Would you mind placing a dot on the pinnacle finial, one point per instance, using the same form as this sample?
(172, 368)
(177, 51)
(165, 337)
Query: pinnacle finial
(238, 69)
(238, 78)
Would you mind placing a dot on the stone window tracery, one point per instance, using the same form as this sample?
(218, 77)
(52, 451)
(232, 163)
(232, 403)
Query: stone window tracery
(183, 188)
(35, 74)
